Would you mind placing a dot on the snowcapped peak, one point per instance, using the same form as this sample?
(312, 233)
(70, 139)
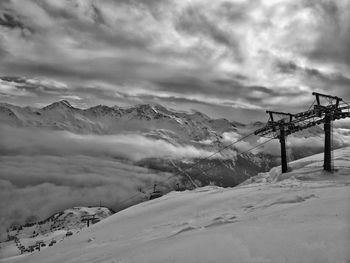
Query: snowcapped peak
(59, 104)
(145, 111)
(149, 107)
(161, 108)
(144, 107)
(65, 102)
(100, 108)
(196, 114)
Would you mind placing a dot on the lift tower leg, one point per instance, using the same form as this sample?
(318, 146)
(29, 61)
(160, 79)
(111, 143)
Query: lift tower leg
(283, 149)
(327, 165)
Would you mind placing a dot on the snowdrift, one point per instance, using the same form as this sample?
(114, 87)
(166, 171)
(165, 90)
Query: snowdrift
(301, 216)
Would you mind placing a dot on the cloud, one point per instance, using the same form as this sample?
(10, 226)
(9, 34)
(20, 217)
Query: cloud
(231, 137)
(8, 89)
(45, 171)
(7, 20)
(342, 124)
(219, 50)
(48, 184)
(21, 86)
(17, 141)
(197, 21)
(70, 97)
(307, 143)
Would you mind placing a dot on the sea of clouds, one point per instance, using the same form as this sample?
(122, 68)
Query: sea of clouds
(44, 171)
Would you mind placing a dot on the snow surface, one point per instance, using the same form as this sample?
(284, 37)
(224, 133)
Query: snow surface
(301, 216)
(53, 228)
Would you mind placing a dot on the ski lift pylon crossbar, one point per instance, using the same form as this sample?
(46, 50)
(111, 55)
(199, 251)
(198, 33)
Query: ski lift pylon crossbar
(322, 113)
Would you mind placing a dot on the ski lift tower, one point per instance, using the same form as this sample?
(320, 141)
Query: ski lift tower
(326, 109)
(329, 112)
(276, 127)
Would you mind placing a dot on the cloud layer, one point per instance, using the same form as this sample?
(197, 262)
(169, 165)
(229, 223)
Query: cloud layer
(46, 171)
(307, 143)
(217, 56)
(42, 184)
(16, 141)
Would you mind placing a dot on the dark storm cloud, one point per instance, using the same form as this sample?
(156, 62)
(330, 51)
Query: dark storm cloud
(7, 20)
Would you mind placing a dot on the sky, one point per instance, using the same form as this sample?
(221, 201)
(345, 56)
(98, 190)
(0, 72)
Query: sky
(232, 59)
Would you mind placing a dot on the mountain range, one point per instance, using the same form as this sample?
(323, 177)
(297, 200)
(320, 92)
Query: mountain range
(102, 119)
(154, 122)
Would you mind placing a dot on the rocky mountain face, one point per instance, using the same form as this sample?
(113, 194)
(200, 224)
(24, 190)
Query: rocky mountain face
(155, 122)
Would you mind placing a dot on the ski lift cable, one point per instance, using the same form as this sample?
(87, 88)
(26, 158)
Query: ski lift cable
(203, 171)
(241, 153)
(185, 173)
(194, 165)
(312, 105)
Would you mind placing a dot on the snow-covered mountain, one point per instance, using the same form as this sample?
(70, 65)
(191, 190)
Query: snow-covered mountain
(300, 216)
(155, 119)
(154, 122)
(19, 238)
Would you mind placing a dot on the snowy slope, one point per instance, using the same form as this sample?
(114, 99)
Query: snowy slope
(53, 228)
(302, 216)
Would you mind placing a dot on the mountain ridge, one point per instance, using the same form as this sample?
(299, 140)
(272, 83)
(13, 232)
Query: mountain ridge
(101, 119)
